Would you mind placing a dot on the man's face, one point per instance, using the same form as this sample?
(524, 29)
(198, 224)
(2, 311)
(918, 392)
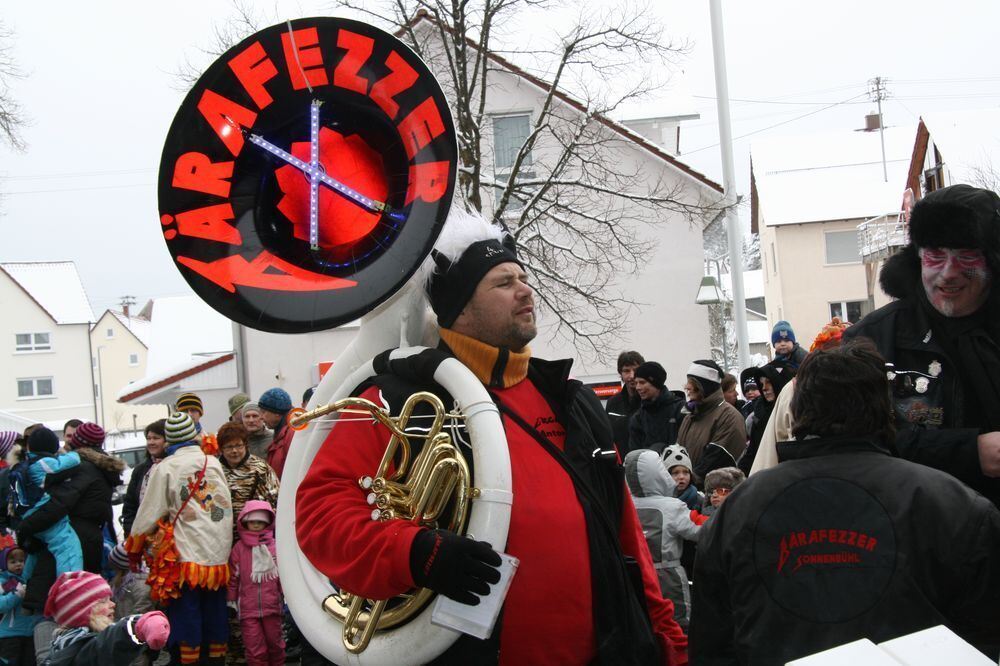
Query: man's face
(646, 390)
(252, 420)
(627, 373)
(784, 347)
(68, 433)
(194, 413)
(957, 282)
(155, 444)
(272, 419)
(501, 312)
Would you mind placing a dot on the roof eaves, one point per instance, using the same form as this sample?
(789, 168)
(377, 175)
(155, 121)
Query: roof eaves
(177, 377)
(125, 321)
(579, 106)
(28, 294)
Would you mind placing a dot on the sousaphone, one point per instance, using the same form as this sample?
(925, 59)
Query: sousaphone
(305, 177)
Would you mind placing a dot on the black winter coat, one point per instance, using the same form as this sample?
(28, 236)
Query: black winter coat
(932, 427)
(130, 506)
(620, 408)
(873, 555)
(656, 423)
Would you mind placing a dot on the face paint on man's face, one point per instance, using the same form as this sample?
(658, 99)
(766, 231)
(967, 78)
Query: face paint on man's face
(956, 281)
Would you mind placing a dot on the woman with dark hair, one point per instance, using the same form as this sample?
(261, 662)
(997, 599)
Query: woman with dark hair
(156, 449)
(843, 535)
(771, 379)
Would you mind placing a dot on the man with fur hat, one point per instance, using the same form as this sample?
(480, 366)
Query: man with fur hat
(942, 333)
(655, 424)
(572, 523)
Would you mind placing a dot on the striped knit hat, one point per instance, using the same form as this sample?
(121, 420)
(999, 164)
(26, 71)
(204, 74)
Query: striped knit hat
(74, 595)
(7, 439)
(87, 435)
(118, 558)
(180, 428)
(187, 401)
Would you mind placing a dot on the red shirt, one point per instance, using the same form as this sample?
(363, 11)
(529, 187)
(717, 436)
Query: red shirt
(548, 614)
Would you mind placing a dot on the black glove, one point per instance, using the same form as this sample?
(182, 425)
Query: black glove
(29, 543)
(453, 565)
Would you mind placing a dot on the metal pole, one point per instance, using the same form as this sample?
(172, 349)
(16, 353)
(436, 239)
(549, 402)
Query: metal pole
(729, 185)
(881, 136)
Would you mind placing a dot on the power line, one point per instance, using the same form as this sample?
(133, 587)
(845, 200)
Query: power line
(784, 122)
(77, 189)
(78, 174)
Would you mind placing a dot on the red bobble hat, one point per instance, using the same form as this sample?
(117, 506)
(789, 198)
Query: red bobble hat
(74, 595)
(89, 435)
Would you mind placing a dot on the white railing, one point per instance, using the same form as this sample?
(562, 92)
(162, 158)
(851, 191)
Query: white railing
(880, 236)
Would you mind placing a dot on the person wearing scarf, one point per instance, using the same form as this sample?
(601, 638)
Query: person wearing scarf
(186, 516)
(772, 378)
(254, 588)
(942, 336)
(576, 598)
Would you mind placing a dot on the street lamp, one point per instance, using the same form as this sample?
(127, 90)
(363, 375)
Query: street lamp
(710, 292)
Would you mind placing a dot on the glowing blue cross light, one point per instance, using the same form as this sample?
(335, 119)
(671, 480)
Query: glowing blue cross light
(314, 171)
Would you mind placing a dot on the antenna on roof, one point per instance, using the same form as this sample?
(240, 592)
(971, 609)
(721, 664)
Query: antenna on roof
(126, 302)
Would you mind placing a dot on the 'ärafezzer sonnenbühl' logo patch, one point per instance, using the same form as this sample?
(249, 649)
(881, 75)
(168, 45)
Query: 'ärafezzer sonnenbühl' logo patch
(825, 550)
(306, 174)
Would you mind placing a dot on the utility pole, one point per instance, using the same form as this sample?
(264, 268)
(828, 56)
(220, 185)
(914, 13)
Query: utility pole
(877, 92)
(729, 185)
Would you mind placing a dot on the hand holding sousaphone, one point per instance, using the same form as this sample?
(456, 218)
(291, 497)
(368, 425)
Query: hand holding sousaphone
(305, 177)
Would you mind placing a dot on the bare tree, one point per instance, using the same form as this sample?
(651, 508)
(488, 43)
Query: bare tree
(12, 118)
(571, 193)
(576, 213)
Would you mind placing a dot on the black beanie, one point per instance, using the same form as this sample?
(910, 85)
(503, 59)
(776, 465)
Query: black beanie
(708, 374)
(453, 284)
(653, 373)
(43, 441)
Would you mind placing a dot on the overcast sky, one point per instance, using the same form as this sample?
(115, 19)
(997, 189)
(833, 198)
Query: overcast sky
(100, 93)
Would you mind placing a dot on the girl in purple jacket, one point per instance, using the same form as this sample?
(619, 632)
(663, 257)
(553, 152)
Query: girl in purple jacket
(254, 588)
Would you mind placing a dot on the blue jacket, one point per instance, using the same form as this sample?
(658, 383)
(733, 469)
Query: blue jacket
(13, 622)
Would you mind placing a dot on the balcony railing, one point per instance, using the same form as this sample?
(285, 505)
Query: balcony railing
(881, 236)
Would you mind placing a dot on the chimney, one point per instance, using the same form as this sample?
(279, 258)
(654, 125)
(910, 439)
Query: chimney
(873, 121)
(125, 310)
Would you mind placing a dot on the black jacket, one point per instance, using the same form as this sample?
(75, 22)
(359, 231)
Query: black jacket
(839, 542)
(655, 425)
(589, 459)
(620, 408)
(130, 506)
(932, 427)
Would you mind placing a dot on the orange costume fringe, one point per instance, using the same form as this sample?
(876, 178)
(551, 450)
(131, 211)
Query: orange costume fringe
(167, 574)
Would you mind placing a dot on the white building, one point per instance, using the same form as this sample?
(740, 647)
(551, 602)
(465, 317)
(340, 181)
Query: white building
(190, 349)
(45, 361)
(120, 344)
(808, 196)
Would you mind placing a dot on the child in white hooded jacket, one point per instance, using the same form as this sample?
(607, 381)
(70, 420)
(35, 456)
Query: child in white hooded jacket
(666, 522)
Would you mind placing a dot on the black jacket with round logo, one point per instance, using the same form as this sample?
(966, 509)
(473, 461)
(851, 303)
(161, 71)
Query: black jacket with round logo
(842, 541)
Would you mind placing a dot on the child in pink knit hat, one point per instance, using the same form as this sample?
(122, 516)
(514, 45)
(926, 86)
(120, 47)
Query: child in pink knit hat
(80, 603)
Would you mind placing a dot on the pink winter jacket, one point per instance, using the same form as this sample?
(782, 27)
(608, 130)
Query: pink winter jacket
(256, 598)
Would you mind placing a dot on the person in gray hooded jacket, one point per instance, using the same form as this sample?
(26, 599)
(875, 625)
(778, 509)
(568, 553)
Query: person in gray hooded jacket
(666, 522)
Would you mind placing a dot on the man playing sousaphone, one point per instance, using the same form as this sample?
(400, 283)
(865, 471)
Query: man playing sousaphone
(585, 590)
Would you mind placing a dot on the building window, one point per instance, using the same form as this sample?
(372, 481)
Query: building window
(133, 360)
(842, 247)
(109, 333)
(37, 387)
(32, 342)
(509, 134)
(774, 261)
(852, 311)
